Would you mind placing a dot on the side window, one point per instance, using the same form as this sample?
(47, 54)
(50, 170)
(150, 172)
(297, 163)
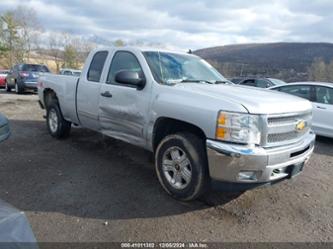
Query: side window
(324, 95)
(249, 83)
(262, 83)
(45, 69)
(121, 61)
(96, 66)
(299, 90)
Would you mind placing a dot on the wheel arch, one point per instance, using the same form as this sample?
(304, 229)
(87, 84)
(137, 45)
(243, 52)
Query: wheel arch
(165, 126)
(49, 96)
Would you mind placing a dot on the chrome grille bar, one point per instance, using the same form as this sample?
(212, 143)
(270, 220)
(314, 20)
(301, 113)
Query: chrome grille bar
(280, 129)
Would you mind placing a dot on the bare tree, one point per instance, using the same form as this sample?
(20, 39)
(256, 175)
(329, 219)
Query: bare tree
(12, 44)
(29, 28)
(55, 46)
(84, 48)
(318, 70)
(119, 43)
(18, 34)
(330, 71)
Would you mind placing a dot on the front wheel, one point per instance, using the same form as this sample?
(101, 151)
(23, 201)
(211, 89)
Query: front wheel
(57, 126)
(181, 166)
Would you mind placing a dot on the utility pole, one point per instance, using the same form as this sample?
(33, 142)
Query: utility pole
(241, 73)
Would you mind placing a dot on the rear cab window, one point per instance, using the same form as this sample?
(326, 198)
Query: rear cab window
(96, 66)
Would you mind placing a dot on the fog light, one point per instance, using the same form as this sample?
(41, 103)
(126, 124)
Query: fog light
(247, 176)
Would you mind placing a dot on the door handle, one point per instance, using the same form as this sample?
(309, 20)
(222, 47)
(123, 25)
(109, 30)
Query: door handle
(320, 107)
(106, 94)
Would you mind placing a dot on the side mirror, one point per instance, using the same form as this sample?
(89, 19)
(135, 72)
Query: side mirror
(130, 78)
(4, 128)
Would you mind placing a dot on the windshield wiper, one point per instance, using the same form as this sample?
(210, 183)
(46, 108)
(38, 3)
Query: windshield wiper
(196, 81)
(224, 82)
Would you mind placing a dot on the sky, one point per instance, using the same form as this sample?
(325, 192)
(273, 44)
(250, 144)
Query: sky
(187, 24)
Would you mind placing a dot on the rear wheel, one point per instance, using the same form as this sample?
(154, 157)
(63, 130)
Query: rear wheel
(181, 166)
(57, 126)
(18, 88)
(8, 88)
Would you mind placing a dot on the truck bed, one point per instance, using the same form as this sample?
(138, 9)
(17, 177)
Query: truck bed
(65, 86)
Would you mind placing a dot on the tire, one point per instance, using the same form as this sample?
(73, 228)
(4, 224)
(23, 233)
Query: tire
(18, 88)
(185, 178)
(8, 88)
(57, 126)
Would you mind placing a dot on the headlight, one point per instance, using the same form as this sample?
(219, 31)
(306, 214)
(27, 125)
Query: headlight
(238, 128)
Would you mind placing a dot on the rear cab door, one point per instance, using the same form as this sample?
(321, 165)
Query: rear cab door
(88, 89)
(123, 109)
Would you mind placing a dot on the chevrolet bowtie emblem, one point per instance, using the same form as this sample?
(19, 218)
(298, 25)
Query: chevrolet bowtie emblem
(300, 125)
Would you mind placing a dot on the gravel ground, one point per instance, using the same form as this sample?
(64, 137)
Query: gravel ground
(93, 188)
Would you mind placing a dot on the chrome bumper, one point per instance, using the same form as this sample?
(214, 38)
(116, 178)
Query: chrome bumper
(234, 163)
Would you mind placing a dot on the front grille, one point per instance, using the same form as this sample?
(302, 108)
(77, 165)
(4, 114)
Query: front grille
(282, 129)
(280, 137)
(276, 120)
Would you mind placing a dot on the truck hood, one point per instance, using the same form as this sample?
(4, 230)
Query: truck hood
(255, 100)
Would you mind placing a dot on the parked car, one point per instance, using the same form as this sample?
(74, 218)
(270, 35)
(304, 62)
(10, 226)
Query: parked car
(236, 80)
(3, 75)
(24, 77)
(4, 128)
(262, 82)
(71, 72)
(202, 133)
(321, 96)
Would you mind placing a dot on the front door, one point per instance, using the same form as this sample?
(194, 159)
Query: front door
(122, 108)
(323, 111)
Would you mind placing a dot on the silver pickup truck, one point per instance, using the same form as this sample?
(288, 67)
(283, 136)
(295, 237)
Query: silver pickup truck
(202, 131)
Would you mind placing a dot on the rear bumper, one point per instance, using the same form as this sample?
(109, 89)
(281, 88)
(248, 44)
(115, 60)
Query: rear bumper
(248, 167)
(30, 85)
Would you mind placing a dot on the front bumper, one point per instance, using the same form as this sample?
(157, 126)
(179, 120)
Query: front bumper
(251, 166)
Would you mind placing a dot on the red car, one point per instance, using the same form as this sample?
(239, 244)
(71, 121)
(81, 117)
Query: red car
(3, 75)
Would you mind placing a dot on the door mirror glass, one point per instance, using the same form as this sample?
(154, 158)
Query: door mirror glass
(130, 78)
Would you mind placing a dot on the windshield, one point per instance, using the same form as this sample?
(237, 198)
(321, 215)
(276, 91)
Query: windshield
(277, 82)
(175, 68)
